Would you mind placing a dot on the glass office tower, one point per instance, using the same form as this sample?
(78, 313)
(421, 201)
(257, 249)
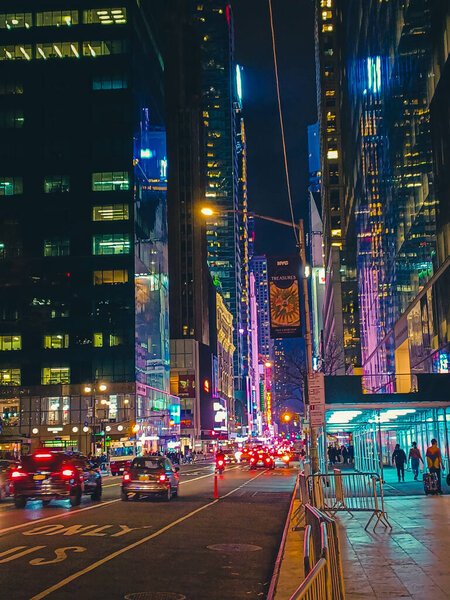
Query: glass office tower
(84, 341)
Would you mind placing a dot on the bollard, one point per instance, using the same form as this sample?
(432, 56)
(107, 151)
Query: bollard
(216, 492)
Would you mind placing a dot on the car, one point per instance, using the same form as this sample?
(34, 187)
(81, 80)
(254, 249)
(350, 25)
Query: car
(5, 486)
(261, 459)
(148, 476)
(48, 475)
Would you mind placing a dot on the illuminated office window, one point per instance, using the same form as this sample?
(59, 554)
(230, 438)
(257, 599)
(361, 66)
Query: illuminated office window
(332, 154)
(17, 52)
(105, 16)
(111, 212)
(10, 88)
(9, 376)
(110, 181)
(57, 50)
(53, 375)
(110, 277)
(103, 48)
(57, 247)
(9, 186)
(56, 341)
(327, 27)
(15, 20)
(11, 119)
(109, 82)
(10, 342)
(115, 243)
(115, 340)
(57, 18)
(98, 340)
(56, 183)
(326, 14)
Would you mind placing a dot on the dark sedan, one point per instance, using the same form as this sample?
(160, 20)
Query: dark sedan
(46, 476)
(150, 475)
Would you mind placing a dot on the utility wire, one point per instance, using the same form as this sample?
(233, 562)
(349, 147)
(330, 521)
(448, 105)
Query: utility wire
(288, 183)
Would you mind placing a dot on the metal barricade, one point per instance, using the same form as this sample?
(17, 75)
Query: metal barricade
(324, 580)
(350, 492)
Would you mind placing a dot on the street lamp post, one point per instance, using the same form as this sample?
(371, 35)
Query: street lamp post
(208, 212)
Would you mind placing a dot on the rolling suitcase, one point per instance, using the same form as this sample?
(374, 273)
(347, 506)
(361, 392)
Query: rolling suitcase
(430, 483)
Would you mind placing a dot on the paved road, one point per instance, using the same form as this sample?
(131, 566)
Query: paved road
(110, 549)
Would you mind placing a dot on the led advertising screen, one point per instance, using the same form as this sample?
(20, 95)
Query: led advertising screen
(284, 296)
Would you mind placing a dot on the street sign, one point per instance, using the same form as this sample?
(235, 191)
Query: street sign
(316, 397)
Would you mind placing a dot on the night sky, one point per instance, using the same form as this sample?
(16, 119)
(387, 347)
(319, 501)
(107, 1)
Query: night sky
(294, 30)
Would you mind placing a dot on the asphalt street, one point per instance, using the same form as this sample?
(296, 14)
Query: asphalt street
(201, 548)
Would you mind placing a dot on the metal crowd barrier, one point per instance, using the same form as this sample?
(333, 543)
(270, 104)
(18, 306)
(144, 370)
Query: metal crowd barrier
(350, 492)
(324, 579)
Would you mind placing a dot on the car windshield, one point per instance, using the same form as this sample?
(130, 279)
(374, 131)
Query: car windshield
(148, 463)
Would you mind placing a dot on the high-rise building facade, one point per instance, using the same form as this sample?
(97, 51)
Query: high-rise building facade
(391, 62)
(258, 266)
(222, 123)
(192, 295)
(340, 309)
(84, 339)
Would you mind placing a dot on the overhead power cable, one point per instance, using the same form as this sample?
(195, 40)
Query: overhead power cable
(280, 112)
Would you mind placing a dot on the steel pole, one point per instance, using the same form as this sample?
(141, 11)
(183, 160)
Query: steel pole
(308, 342)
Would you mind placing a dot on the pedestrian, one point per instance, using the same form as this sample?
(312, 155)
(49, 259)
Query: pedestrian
(330, 452)
(399, 457)
(345, 454)
(415, 457)
(351, 453)
(434, 461)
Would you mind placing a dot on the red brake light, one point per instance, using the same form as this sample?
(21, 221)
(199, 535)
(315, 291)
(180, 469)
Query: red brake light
(220, 462)
(162, 478)
(43, 455)
(252, 459)
(268, 460)
(126, 477)
(17, 474)
(68, 473)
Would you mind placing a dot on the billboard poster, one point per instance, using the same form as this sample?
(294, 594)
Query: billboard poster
(186, 386)
(284, 296)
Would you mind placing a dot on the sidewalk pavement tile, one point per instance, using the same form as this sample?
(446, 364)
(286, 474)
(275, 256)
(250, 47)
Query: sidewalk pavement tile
(291, 571)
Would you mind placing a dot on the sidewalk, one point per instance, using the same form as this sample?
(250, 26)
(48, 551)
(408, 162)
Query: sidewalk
(411, 562)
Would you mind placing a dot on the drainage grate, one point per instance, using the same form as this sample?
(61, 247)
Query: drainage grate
(154, 596)
(234, 547)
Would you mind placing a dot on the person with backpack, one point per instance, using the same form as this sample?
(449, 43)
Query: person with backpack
(415, 458)
(399, 457)
(434, 461)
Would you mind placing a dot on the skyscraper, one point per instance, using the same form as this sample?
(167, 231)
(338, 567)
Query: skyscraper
(340, 308)
(388, 60)
(258, 266)
(192, 295)
(84, 342)
(222, 124)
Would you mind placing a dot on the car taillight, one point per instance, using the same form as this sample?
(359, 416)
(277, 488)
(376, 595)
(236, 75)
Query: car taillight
(220, 463)
(286, 458)
(268, 460)
(162, 478)
(253, 459)
(68, 473)
(126, 477)
(17, 474)
(43, 455)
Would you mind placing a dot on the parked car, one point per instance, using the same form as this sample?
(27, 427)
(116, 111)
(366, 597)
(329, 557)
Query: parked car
(150, 475)
(5, 469)
(46, 475)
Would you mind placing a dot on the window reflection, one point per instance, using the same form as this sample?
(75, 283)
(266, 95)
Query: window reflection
(103, 47)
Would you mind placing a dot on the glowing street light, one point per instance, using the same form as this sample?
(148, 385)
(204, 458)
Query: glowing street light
(208, 212)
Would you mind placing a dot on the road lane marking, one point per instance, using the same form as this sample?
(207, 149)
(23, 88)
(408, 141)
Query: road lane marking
(59, 515)
(19, 554)
(106, 559)
(72, 512)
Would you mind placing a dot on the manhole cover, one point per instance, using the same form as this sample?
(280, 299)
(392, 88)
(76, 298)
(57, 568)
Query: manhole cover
(234, 547)
(154, 596)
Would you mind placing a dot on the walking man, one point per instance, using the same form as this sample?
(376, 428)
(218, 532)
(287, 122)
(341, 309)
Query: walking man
(399, 457)
(415, 457)
(434, 461)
